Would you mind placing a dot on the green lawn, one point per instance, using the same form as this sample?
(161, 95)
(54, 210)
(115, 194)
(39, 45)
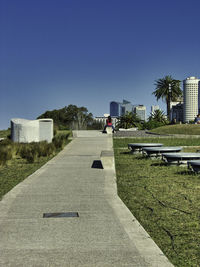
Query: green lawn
(164, 199)
(17, 169)
(187, 129)
(167, 141)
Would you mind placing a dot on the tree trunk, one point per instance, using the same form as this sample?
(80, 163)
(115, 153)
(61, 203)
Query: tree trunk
(168, 110)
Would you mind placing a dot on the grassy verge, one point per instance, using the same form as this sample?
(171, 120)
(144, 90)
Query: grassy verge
(18, 168)
(122, 142)
(164, 199)
(187, 129)
(4, 133)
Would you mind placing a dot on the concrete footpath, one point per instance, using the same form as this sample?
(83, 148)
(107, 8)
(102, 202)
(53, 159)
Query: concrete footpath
(104, 234)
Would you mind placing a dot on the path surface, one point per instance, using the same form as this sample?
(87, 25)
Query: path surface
(104, 234)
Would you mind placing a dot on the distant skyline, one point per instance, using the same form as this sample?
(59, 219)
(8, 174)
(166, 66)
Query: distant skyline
(90, 52)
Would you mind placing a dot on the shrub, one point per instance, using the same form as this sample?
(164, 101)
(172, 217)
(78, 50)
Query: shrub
(60, 140)
(44, 149)
(5, 154)
(6, 142)
(28, 152)
(152, 124)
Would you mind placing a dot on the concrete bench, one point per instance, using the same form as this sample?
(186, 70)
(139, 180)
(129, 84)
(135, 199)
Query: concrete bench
(107, 159)
(137, 147)
(194, 165)
(109, 130)
(180, 159)
(156, 152)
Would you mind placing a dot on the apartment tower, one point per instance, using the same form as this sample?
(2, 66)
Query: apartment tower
(140, 111)
(191, 100)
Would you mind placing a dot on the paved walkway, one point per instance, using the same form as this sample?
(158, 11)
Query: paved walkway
(104, 234)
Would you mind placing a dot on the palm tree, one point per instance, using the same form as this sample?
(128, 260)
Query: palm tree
(163, 91)
(159, 116)
(128, 120)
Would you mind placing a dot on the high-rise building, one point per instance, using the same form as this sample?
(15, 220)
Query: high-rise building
(140, 111)
(118, 109)
(176, 110)
(191, 100)
(115, 109)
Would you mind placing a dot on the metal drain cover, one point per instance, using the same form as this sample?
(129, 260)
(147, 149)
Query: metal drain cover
(60, 215)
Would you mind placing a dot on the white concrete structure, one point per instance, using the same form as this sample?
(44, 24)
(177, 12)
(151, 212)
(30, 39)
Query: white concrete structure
(190, 94)
(26, 131)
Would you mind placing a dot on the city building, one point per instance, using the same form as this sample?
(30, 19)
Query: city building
(191, 98)
(118, 109)
(115, 109)
(140, 111)
(176, 110)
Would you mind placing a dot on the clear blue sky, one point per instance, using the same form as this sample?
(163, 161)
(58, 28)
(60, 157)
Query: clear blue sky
(89, 52)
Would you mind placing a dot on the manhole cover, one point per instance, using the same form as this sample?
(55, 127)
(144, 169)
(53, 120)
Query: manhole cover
(60, 215)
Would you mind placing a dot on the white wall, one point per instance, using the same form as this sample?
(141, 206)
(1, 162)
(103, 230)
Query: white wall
(26, 131)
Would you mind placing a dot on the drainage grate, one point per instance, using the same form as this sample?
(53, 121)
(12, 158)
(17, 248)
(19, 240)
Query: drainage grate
(60, 215)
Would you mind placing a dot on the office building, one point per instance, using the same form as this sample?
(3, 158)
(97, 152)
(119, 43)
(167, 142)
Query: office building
(140, 111)
(191, 98)
(118, 109)
(115, 109)
(176, 110)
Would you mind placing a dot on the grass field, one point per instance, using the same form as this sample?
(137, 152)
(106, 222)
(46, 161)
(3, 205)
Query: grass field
(187, 129)
(18, 169)
(169, 141)
(164, 199)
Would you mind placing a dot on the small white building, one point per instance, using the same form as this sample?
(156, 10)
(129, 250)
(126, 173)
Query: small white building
(103, 119)
(27, 131)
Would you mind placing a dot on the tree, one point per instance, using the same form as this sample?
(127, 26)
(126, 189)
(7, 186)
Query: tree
(128, 120)
(70, 117)
(156, 119)
(159, 116)
(162, 91)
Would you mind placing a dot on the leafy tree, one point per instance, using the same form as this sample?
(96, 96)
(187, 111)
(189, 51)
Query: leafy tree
(69, 117)
(128, 120)
(162, 91)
